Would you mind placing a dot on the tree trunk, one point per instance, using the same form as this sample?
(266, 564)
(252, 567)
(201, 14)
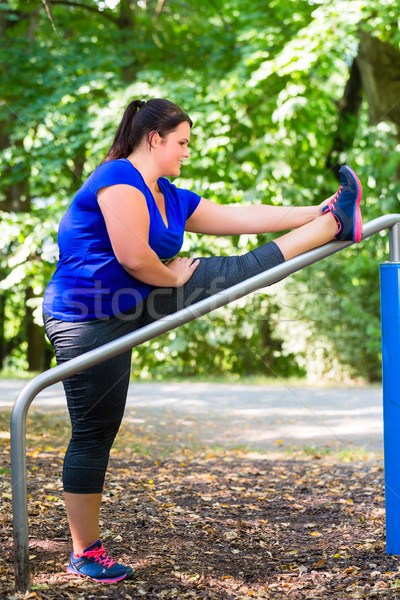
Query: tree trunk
(379, 64)
(36, 343)
(349, 108)
(16, 198)
(126, 25)
(376, 72)
(2, 318)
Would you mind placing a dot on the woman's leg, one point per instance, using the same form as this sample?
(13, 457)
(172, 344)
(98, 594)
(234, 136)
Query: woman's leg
(212, 275)
(341, 219)
(83, 512)
(217, 273)
(309, 236)
(96, 401)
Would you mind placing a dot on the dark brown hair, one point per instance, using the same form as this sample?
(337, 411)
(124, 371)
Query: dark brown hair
(144, 119)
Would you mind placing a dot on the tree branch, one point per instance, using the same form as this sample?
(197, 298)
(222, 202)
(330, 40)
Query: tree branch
(86, 7)
(50, 17)
(159, 8)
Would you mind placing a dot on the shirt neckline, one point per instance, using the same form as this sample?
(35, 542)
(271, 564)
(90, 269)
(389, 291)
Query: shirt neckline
(159, 180)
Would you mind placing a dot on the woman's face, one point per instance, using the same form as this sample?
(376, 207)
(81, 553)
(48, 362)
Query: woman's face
(171, 150)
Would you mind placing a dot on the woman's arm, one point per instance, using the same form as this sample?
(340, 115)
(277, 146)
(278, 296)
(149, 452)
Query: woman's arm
(126, 215)
(219, 219)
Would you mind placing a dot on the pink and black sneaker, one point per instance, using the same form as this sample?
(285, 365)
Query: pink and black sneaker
(96, 564)
(345, 206)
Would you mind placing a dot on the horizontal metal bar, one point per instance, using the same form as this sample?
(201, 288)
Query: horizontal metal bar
(111, 349)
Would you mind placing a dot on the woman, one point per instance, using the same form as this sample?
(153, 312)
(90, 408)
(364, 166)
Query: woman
(111, 280)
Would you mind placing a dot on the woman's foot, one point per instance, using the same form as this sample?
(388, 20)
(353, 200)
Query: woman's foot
(345, 206)
(96, 564)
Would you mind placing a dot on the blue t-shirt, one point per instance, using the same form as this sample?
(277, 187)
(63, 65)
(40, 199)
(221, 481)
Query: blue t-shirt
(89, 283)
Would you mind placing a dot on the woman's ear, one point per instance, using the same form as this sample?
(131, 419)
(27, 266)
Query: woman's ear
(154, 139)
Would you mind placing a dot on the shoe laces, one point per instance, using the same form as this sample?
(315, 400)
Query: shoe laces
(336, 196)
(100, 556)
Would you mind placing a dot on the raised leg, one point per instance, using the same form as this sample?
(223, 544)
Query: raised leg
(309, 236)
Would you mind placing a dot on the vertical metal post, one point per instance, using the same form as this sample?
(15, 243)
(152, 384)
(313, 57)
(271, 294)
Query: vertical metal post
(390, 323)
(394, 243)
(19, 495)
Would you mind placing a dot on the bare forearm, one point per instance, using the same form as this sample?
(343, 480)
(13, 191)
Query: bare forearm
(153, 272)
(265, 218)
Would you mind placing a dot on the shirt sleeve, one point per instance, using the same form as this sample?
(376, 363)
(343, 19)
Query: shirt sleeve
(115, 172)
(193, 202)
(189, 199)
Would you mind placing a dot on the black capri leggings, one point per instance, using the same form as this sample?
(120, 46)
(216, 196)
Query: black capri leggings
(96, 397)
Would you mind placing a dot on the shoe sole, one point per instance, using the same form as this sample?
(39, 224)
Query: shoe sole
(73, 572)
(358, 227)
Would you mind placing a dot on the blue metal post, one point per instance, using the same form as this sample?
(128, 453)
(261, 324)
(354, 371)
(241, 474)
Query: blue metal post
(390, 320)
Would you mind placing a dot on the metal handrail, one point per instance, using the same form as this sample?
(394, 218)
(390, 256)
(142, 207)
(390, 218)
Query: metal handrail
(126, 342)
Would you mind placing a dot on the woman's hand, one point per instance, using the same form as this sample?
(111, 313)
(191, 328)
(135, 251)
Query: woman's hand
(325, 202)
(183, 268)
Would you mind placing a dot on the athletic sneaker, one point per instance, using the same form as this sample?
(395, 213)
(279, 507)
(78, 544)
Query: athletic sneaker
(96, 564)
(345, 206)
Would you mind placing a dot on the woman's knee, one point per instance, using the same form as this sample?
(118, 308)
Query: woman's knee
(84, 471)
(94, 442)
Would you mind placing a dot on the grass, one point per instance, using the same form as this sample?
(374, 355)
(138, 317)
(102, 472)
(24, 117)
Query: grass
(18, 375)
(228, 379)
(338, 452)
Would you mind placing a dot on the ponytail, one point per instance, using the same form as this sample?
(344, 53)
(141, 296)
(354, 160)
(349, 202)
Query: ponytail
(140, 119)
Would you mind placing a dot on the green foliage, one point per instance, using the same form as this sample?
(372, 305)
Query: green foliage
(337, 301)
(262, 82)
(238, 339)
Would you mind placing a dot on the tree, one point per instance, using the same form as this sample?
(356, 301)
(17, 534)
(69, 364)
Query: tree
(277, 90)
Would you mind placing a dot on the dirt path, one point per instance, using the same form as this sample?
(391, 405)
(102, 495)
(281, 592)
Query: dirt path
(199, 515)
(259, 416)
